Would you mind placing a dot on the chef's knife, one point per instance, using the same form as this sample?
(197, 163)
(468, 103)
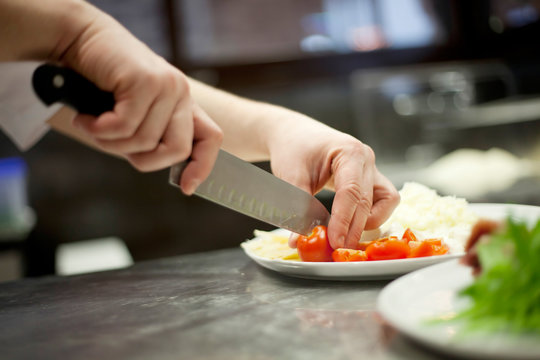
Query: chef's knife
(248, 189)
(233, 183)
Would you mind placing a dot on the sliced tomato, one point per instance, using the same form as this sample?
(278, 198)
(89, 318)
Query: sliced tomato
(315, 247)
(408, 235)
(428, 247)
(344, 255)
(365, 244)
(387, 250)
(438, 247)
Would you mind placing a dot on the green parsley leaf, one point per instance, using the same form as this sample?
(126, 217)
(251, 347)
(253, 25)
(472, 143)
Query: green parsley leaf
(506, 295)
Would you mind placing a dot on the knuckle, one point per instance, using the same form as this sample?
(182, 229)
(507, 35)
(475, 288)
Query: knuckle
(364, 204)
(154, 78)
(125, 129)
(120, 128)
(180, 152)
(369, 153)
(218, 136)
(169, 81)
(145, 143)
(342, 223)
(182, 84)
(172, 82)
(359, 149)
(395, 198)
(140, 166)
(361, 198)
(365, 151)
(151, 81)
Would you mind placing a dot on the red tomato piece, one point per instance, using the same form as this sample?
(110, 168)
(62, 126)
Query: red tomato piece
(365, 244)
(421, 249)
(428, 247)
(437, 242)
(345, 255)
(408, 235)
(440, 249)
(315, 247)
(388, 250)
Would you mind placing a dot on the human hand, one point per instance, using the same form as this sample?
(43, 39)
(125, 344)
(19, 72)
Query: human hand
(313, 156)
(155, 122)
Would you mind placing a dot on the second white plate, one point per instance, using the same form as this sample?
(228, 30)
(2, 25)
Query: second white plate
(410, 302)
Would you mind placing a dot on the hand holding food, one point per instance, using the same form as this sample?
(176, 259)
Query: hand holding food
(423, 224)
(315, 157)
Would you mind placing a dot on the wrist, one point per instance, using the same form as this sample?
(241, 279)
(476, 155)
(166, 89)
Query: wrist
(288, 125)
(270, 127)
(72, 27)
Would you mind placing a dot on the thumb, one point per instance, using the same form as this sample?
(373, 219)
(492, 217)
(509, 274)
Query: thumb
(293, 240)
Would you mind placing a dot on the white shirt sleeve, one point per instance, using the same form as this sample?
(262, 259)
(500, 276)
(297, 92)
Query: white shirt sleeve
(22, 115)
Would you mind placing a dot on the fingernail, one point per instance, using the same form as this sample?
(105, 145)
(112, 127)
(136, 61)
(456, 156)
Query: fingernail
(293, 239)
(341, 241)
(192, 186)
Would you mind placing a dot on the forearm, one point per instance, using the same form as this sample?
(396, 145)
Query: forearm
(249, 127)
(241, 120)
(41, 29)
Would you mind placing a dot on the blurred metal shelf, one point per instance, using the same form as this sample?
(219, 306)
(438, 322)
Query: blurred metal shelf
(498, 112)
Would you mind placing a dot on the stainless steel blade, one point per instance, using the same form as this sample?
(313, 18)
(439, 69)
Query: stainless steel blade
(248, 189)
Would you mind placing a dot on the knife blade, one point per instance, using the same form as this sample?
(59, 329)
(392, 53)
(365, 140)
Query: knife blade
(248, 189)
(233, 183)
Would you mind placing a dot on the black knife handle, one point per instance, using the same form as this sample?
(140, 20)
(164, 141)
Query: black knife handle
(59, 84)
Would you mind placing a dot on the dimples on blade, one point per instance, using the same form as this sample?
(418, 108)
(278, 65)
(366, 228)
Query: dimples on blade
(247, 189)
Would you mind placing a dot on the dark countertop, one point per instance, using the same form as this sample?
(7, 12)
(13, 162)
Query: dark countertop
(214, 305)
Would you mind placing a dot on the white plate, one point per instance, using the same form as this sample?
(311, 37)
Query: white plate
(384, 269)
(410, 301)
(365, 270)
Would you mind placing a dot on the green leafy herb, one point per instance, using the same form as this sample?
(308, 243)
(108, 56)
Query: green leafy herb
(506, 295)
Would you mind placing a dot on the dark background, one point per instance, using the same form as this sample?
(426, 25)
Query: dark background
(80, 194)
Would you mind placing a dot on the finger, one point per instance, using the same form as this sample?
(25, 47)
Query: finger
(153, 126)
(359, 219)
(385, 200)
(80, 120)
(206, 143)
(350, 212)
(175, 146)
(352, 205)
(293, 239)
(130, 109)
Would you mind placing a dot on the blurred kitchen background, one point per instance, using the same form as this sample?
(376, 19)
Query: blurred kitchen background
(446, 92)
